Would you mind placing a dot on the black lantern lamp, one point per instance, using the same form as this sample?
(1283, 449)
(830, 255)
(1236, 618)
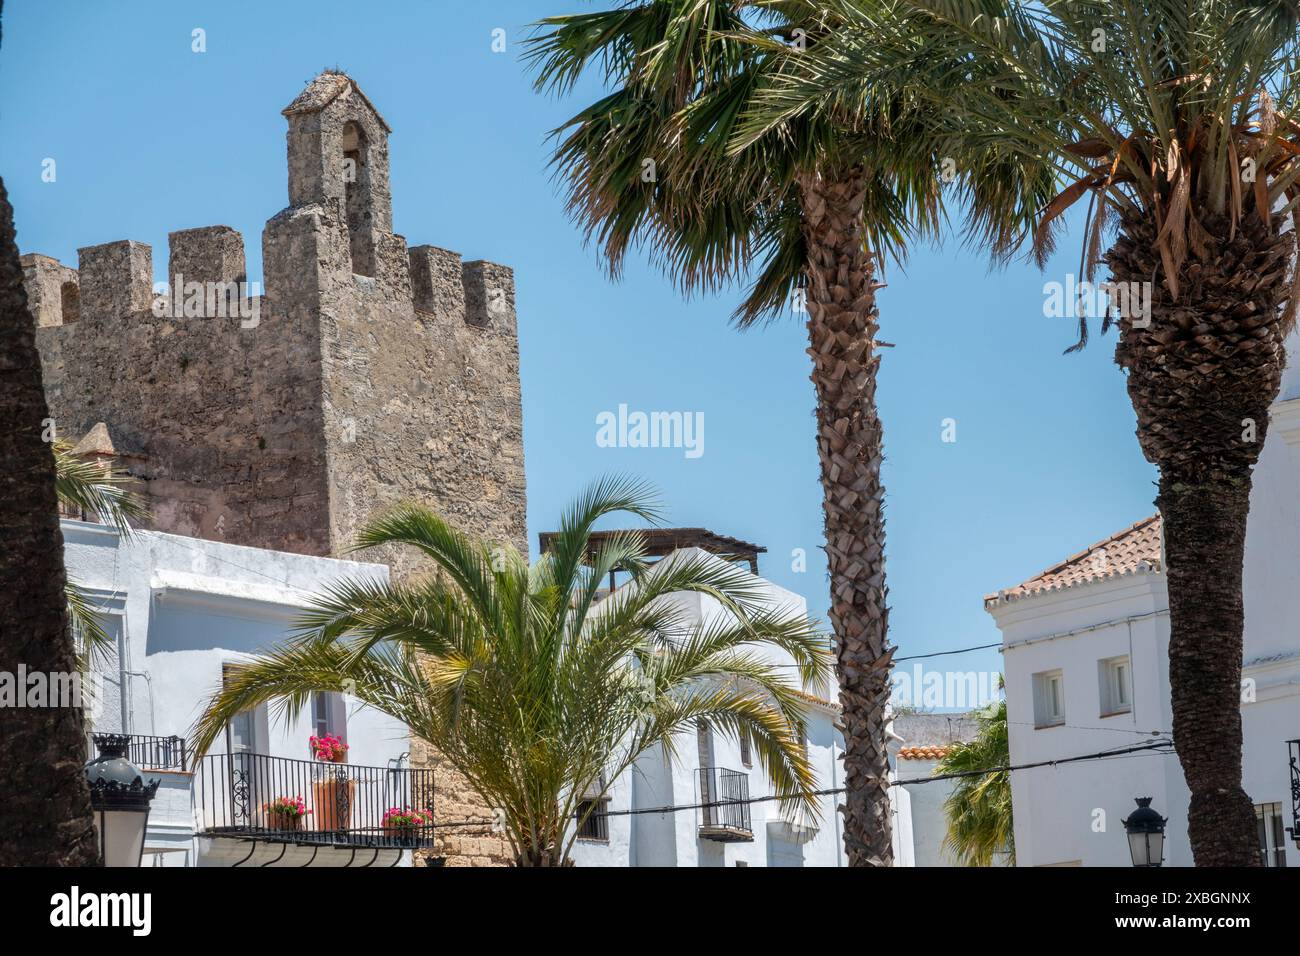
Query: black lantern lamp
(120, 798)
(1146, 834)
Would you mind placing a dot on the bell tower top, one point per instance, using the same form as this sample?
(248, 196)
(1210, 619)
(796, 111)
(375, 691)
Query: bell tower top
(338, 150)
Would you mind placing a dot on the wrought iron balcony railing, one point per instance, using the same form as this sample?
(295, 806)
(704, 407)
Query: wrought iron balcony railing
(724, 814)
(154, 753)
(346, 806)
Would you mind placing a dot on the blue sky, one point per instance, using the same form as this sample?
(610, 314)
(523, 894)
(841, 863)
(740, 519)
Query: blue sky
(150, 137)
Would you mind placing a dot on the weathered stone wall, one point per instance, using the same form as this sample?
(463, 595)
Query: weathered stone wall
(227, 418)
(371, 376)
(52, 293)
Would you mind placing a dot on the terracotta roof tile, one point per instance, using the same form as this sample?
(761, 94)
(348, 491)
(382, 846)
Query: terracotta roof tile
(1135, 550)
(923, 753)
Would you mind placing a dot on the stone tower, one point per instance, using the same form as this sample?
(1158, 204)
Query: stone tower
(367, 374)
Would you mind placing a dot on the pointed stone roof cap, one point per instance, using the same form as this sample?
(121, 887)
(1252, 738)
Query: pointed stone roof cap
(99, 443)
(324, 90)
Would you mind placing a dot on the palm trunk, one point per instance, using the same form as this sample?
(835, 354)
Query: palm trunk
(1201, 377)
(841, 331)
(45, 814)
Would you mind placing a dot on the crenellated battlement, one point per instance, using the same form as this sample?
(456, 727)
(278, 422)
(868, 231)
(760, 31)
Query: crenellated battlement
(207, 276)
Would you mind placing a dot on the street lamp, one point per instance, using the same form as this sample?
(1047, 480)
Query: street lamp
(1146, 834)
(120, 799)
(1293, 754)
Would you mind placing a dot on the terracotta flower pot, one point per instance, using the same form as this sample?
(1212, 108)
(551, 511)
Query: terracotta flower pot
(283, 821)
(402, 836)
(332, 803)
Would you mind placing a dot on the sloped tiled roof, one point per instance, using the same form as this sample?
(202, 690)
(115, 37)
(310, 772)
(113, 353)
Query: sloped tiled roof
(100, 443)
(1135, 550)
(923, 753)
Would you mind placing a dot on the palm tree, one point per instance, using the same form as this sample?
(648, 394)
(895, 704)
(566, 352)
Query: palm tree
(46, 819)
(1177, 121)
(804, 214)
(979, 808)
(531, 687)
(94, 489)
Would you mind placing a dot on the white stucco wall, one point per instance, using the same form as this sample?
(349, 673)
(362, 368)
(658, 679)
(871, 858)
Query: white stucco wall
(672, 839)
(929, 826)
(1056, 819)
(183, 607)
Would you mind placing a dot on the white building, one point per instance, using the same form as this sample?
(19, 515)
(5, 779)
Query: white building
(919, 742)
(1085, 646)
(181, 609)
(711, 768)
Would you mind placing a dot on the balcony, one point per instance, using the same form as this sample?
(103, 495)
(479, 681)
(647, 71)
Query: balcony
(346, 804)
(170, 754)
(724, 816)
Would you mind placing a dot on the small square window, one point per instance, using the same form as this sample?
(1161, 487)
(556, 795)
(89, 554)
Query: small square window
(593, 820)
(1272, 834)
(1115, 675)
(1049, 699)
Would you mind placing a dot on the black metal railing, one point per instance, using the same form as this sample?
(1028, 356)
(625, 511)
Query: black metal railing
(348, 805)
(592, 819)
(153, 753)
(724, 795)
(1293, 753)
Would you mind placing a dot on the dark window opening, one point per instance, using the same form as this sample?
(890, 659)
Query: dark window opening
(596, 824)
(357, 199)
(71, 302)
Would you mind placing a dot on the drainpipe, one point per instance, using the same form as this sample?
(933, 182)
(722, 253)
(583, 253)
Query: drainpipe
(153, 723)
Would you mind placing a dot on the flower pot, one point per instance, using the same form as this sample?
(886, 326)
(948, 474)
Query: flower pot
(332, 803)
(283, 821)
(401, 836)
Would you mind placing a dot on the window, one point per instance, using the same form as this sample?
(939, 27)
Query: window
(242, 732)
(1049, 699)
(329, 715)
(1115, 677)
(1272, 842)
(746, 759)
(594, 808)
(357, 201)
(70, 300)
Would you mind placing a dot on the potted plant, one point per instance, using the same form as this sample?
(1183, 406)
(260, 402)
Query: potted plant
(285, 813)
(329, 748)
(333, 791)
(401, 823)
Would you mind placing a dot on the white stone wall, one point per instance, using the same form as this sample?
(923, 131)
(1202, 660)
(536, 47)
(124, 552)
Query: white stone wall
(671, 839)
(1075, 812)
(184, 607)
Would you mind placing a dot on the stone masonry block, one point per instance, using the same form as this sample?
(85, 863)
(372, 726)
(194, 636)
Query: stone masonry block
(116, 279)
(207, 254)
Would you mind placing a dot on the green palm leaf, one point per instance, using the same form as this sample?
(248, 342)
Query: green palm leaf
(531, 688)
